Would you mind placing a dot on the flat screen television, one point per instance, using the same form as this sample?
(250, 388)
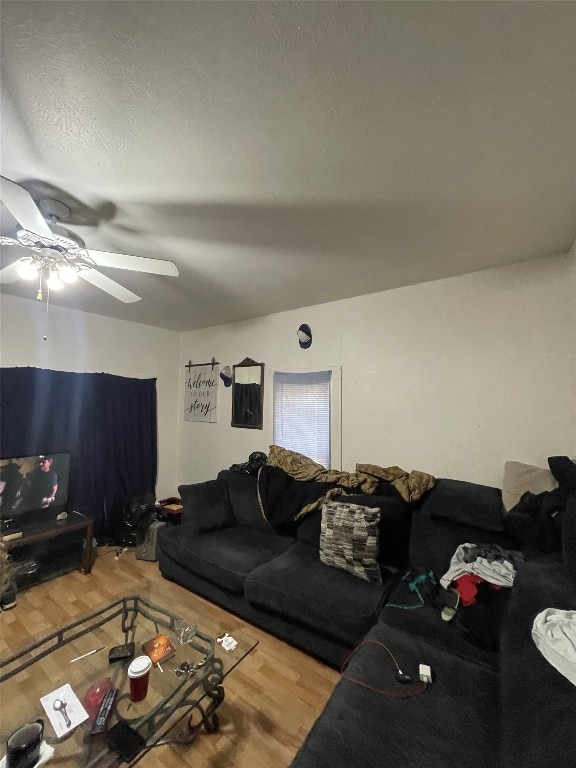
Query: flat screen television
(33, 489)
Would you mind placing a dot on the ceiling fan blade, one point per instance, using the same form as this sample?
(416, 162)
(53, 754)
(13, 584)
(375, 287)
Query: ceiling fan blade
(135, 263)
(108, 285)
(21, 205)
(9, 241)
(10, 274)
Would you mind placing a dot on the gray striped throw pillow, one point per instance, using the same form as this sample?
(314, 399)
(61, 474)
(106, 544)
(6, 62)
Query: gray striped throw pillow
(349, 538)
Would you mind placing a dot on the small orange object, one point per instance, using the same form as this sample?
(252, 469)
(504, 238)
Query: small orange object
(159, 648)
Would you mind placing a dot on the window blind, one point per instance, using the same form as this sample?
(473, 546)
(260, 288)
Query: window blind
(302, 413)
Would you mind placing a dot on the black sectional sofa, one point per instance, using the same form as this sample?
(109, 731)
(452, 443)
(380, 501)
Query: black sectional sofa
(227, 552)
(494, 699)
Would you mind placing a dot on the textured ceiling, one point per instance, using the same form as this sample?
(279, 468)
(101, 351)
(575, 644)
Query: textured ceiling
(289, 154)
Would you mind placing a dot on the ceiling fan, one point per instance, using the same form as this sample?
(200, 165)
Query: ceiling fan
(59, 255)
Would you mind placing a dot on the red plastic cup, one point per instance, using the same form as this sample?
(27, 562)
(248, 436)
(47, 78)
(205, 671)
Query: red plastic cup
(139, 675)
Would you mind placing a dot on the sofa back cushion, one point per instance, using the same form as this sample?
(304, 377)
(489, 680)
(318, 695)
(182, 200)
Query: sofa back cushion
(466, 503)
(205, 506)
(243, 495)
(395, 517)
(308, 530)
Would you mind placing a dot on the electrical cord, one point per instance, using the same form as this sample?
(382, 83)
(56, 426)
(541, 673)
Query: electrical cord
(415, 584)
(401, 677)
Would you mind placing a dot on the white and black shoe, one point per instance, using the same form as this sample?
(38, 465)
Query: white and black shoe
(8, 597)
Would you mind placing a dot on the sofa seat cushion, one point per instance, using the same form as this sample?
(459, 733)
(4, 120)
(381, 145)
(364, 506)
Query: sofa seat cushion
(299, 586)
(460, 636)
(224, 557)
(454, 722)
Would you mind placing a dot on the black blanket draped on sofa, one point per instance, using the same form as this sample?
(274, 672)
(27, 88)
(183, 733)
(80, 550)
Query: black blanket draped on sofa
(282, 498)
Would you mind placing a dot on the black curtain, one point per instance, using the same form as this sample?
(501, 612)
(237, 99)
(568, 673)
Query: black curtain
(108, 424)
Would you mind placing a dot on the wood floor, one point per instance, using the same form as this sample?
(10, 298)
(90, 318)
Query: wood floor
(272, 698)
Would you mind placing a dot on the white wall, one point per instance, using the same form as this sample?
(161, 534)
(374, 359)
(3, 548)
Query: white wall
(453, 377)
(76, 341)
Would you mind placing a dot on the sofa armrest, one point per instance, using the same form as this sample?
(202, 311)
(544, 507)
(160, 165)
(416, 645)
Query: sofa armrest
(206, 506)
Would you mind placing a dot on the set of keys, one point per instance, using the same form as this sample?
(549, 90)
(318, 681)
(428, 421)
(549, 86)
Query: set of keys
(185, 668)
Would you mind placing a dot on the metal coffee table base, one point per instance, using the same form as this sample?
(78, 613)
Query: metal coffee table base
(183, 695)
(200, 709)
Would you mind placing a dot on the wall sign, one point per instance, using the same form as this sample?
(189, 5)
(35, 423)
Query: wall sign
(201, 391)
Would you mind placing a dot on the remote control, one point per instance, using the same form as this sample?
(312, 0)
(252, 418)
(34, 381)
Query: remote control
(99, 725)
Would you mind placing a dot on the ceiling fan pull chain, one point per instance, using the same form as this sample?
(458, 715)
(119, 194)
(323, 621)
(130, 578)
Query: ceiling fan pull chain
(39, 294)
(45, 337)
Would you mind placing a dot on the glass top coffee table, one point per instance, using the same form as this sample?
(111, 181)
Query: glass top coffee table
(71, 661)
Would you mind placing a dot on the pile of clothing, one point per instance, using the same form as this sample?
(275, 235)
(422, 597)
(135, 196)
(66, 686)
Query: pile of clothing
(473, 565)
(481, 575)
(554, 633)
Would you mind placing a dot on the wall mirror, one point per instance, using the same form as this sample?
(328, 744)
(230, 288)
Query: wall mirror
(248, 394)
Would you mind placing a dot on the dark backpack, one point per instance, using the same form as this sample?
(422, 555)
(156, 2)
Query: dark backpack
(251, 467)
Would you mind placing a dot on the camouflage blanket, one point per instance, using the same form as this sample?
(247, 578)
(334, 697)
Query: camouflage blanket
(410, 485)
(300, 467)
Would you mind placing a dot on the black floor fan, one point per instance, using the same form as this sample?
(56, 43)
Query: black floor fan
(129, 517)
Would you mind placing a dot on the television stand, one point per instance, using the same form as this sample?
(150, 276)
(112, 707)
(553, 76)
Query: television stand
(58, 546)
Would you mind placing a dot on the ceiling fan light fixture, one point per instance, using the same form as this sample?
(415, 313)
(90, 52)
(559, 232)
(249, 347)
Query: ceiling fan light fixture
(60, 255)
(54, 282)
(27, 269)
(68, 273)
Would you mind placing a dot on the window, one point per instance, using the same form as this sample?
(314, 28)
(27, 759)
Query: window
(302, 413)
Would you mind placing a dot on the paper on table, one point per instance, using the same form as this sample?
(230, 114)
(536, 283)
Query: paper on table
(64, 709)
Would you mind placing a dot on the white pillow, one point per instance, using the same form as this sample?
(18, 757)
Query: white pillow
(520, 478)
